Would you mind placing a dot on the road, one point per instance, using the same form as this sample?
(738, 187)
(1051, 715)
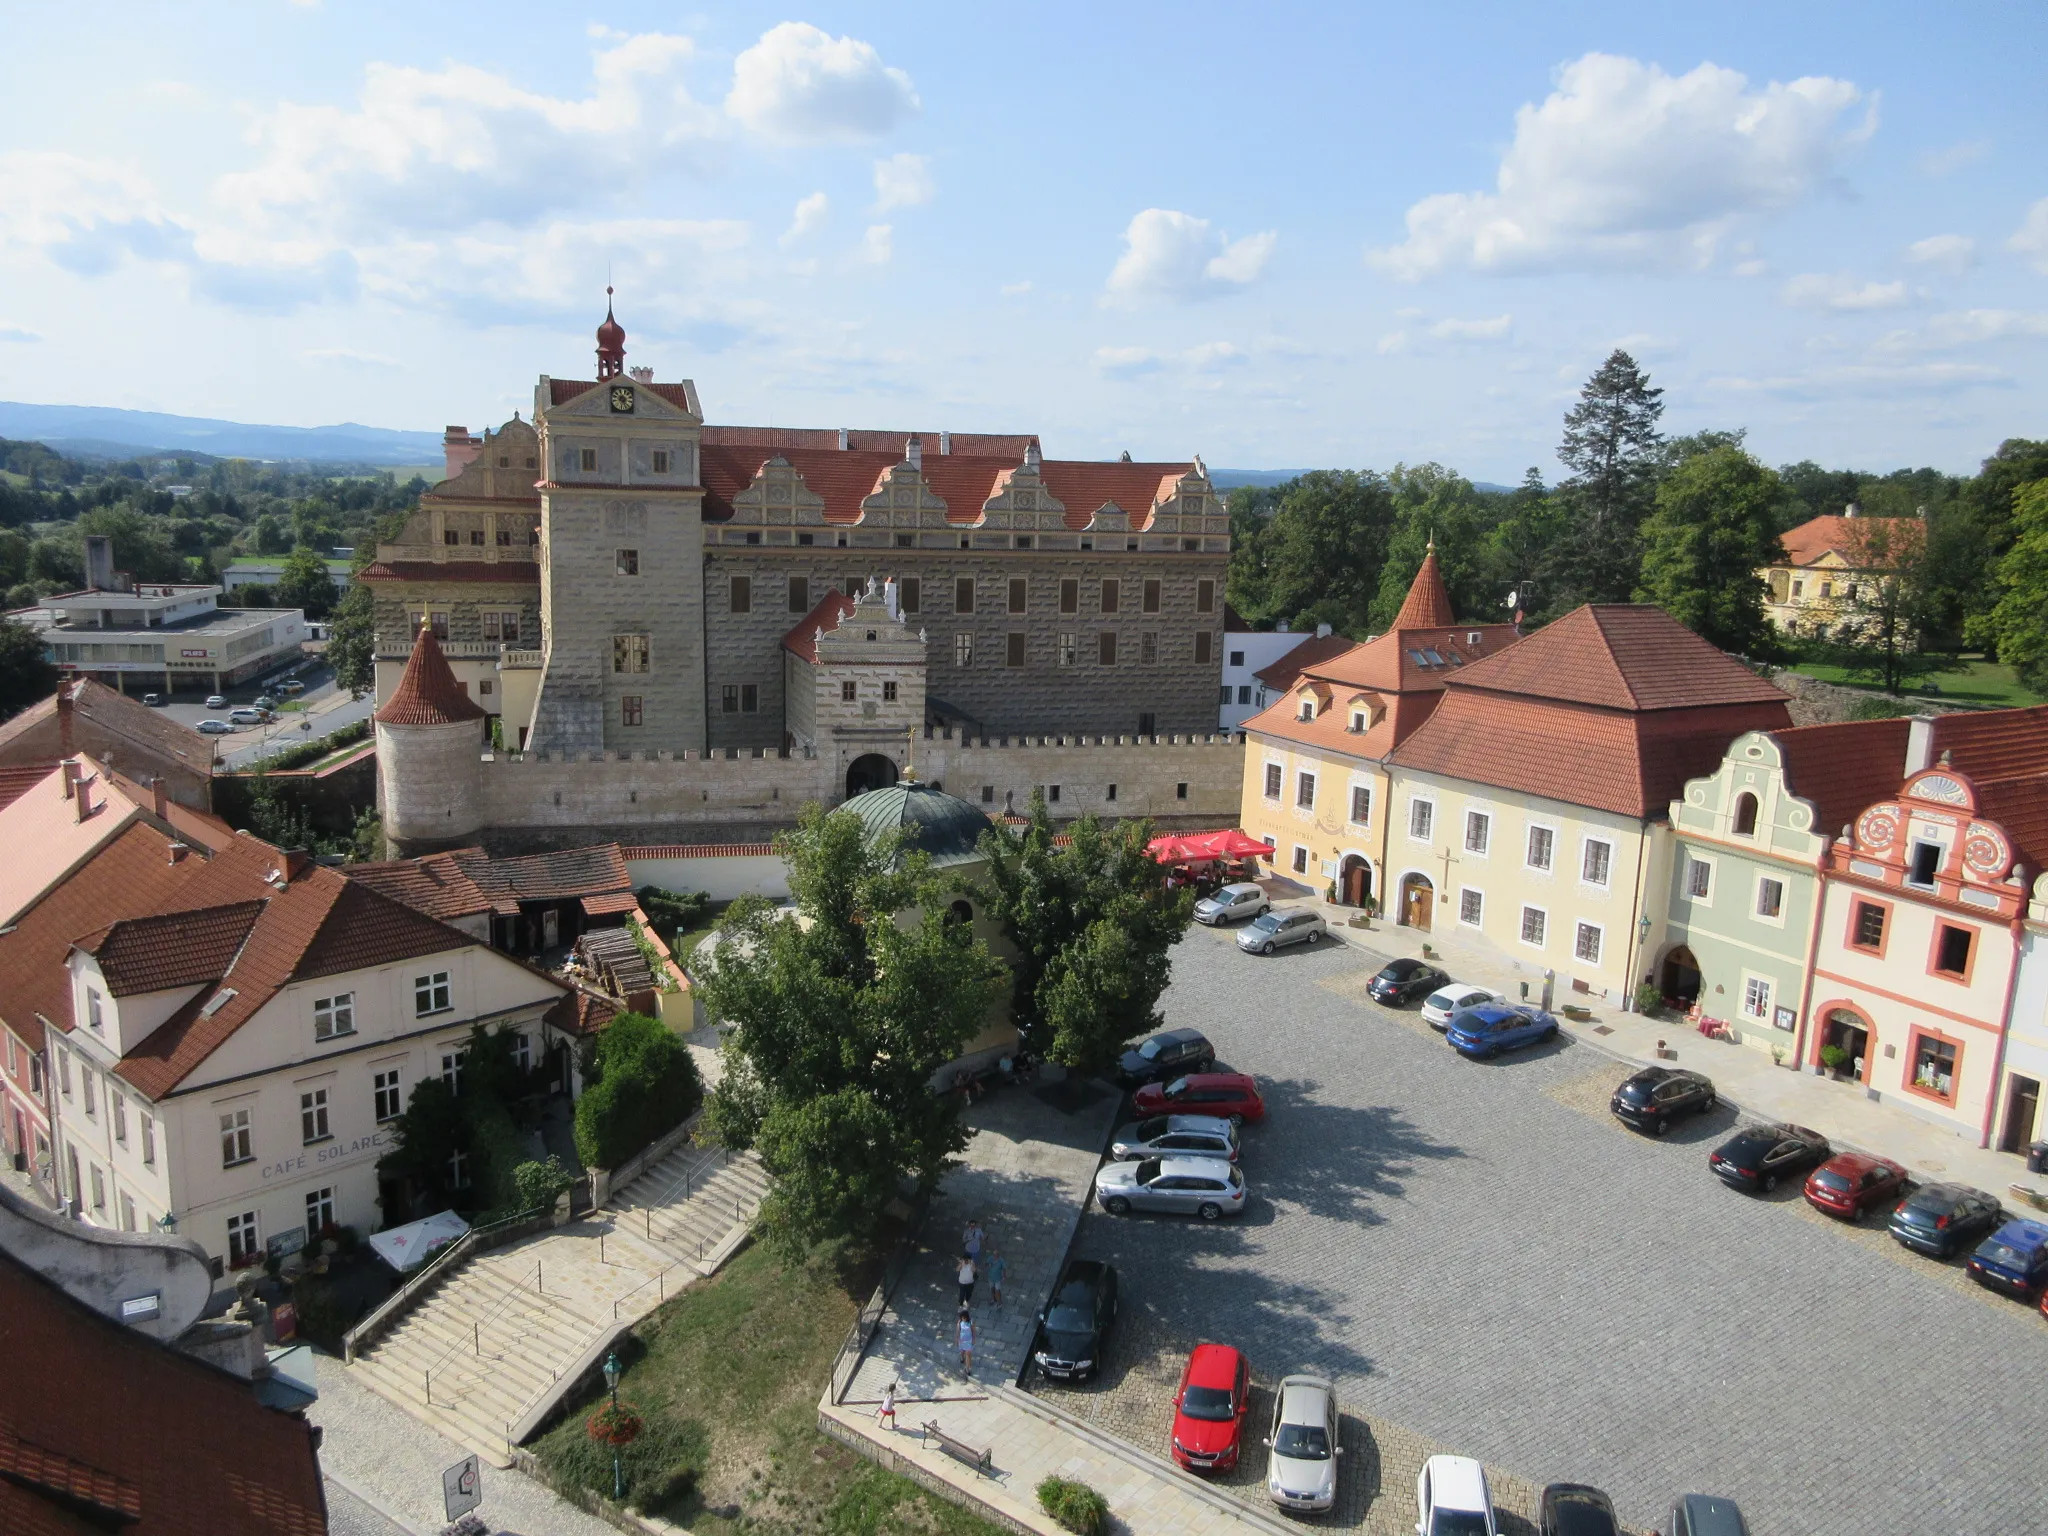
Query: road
(1479, 1254)
(328, 708)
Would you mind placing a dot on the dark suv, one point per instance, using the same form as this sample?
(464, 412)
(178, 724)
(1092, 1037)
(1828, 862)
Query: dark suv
(1170, 1053)
(1073, 1329)
(1657, 1096)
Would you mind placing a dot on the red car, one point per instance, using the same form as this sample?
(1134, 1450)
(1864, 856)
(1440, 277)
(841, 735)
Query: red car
(1227, 1095)
(1850, 1183)
(1208, 1410)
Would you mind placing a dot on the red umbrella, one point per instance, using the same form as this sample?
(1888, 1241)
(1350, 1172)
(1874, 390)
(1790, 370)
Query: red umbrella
(1231, 844)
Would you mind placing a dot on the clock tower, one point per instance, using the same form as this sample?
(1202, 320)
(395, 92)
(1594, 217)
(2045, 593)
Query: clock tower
(621, 560)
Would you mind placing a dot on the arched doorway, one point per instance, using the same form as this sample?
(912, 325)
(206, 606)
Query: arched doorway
(874, 771)
(1418, 902)
(1354, 881)
(1680, 981)
(1849, 1030)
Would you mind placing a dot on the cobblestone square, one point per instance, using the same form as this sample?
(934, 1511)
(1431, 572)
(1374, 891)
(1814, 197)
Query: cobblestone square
(1485, 1262)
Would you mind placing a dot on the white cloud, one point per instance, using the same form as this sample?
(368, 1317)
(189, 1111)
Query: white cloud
(1208, 357)
(1894, 380)
(1952, 254)
(1126, 362)
(1178, 256)
(878, 245)
(1016, 290)
(1495, 329)
(1753, 267)
(85, 215)
(1392, 343)
(808, 219)
(904, 181)
(1821, 290)
(799, 83)
(17, 333)
(1213, 356)
(1967, 328)
(1625, 165)
(1944, 162)
(2031, 238)
(350, 357)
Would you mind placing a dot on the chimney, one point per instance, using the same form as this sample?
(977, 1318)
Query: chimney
(68, 772)
(1031, 455)
(913, 452)
(64, 701)
(1322, 631)
(459, 449)
(99, 562)
(642, 375)
(81, 802)
(842, 439)
(1919, 743)
(178, 852)
(1852, 510)
(161, 792)
(945, 441)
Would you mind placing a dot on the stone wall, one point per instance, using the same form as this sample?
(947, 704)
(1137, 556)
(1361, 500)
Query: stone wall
(1817, 703)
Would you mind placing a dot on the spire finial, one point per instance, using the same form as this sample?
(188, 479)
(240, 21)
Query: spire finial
(910, 754)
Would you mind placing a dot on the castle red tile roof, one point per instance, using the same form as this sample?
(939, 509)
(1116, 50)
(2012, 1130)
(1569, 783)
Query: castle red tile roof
(139, 1437)
(515, 572)
(427, 692)
(1631, 656)
(466, 881)
(983, 445)
(803, 639)
(1314, 649)
(1994, 743)
(2020, 805)
(1845, 537)
(1843, 767)
(698, 850)
(170, 949)
(1428, 604)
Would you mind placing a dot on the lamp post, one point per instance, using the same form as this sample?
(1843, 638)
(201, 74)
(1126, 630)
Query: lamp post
(1642, 952)
(612, 1372)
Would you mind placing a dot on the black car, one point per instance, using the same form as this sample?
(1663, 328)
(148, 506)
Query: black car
(1756, 1157)
(1168, 1054)
(1405, 980)
(1573, 1509)
(1073, 1329)
(1656, 1096)
(1943, 1219)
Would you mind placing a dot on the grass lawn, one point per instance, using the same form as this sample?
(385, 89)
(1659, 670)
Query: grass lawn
(1972, 680)
(726, 1378)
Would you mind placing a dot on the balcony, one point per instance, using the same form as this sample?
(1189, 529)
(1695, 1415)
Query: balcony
(398, 648)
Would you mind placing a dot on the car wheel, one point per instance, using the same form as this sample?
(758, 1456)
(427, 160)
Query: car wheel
(1315, 938)
(1237, 1120)
(1709, 1105)
(1117, 1205)
(1210, 1210)
(1489, 1053)
(1659, 1126)
(1550, 1033)
(1266, 948)
(1770, 1182)
(1856, 1214)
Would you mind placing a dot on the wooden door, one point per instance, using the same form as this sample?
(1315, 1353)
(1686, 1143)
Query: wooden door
(1421, 901)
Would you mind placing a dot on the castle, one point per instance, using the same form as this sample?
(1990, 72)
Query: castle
(618, 583)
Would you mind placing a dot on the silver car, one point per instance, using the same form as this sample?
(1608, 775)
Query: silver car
(1302, 1470)
(1441, 1004)
(1176, 1136)
(1276, 930)
(1232, 904)
(1193, 1186)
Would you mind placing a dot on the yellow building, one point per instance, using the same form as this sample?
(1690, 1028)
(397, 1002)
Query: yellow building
(1827, 560)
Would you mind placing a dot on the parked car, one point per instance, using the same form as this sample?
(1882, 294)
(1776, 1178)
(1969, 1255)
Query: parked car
(1491, 1028)
(153, 700)
(1942, 1219)
(1176, 1136)
(1850, 1183)
(1073, 1328)
(1170, 1053)
(215, 727)
(1404, 980)
(1657, 1096)
(1438, 1007)
(1452, 1499)
(1232, 904)
(2014, 1259)
(265, 701)
(1301, 1472)
(292, 686)
(1208, 1408)
(1574, 1509)
(1758, 1156)
(1703, 1514)
(1187, 1186)
(216, 701)
(1276, 930)
(1231, 1095)
(246, 716)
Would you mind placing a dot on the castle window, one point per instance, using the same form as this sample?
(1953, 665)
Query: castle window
(799, 594)
(476, 536)
(1068, 645)
(626, 562)
(1111, 592)
(888, 693)
(807, 539)
(1205, 644)
(1087, 543)
(1148, 647)
(451, 537)
(1110, 794)
(494, 624)
(988, 794)
(905, 540)
(963, 650)
(1205, 598)
(484, 687)
(1023, 541)
(750, 538)
(1105, 648)
(1152, 596)
(1070, 596)
(1189, 546)
(729, 698)
(629, 708)
(1013, 649)
(963, 594)
(504, 461)
(742, 594)
(750, 698)
(848, 692)
(629, 653)
(661, 461)
(504, 538)
(508, 627)
(1180, 790)
(910, 595)
(586, 460)
(1019, 594)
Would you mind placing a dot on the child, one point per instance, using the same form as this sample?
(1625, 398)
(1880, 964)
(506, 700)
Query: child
(888, 1414)
(996, 1266)
(966, 1334)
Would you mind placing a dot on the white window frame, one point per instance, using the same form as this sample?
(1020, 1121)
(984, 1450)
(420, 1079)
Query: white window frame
(1429, 834)
(1304, 790)
(148, 1140)
(1706, 897)
(1484, 821)
(1351, 810)
(1522, 928)
(119, 1107)
(315, 1124)
(319, 1212)
(522, 1043)
(1274, 784)
(1300, 862)
(1471, 922)
(1756, 898)
(454, 1058)
(1586, 845)
(251, 1251)
(95, 1015)
(1756, 979)
(1529, 846)
(436, 991)
(379, 1087)
(1580, 929)
(237, 1135)
(334, 1017)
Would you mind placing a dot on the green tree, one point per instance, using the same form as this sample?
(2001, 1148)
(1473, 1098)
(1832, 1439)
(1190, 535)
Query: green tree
(842, 1012)
(1876, 620)
(439, 1123)
(1714, 529)
(1090, 925)
(14, 553)
(1518, 549)
(306, 583)
(2020, 620)
(142, 546)
(25, 676)
(642, 1084)
(1316, 559)
(270, 536)
(1612, 446)
(1431, 502)
(351, 649)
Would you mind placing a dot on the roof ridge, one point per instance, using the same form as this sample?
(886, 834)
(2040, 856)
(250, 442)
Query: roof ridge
(1597, 611)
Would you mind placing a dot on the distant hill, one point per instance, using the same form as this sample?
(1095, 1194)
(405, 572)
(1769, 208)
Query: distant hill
(102, 431)
(1225, 479)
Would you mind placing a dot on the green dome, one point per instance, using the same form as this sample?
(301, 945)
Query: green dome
(943, 825)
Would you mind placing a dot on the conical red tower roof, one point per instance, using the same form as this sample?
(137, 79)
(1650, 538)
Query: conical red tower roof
(428, 694)
(611, 343)
(1428, 604)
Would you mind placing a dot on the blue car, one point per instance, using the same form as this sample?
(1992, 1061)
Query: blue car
(1492, 1028)
(2014, 1259)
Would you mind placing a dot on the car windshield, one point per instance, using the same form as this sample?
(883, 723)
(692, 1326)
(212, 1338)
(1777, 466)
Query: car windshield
(1151, 1048)
(2002, 1253)
(1206, 1403)
(1917, 1216)
(1067, 1320)
(1441, 1000)
(1148, 1170)
(1400, 970)
(1147, 1129)
(1302, 1442)
(1457, 1522)
(1635, 1088)
(1838, 1182)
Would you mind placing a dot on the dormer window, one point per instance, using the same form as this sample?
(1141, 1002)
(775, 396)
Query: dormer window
(1358, 720)
(1308, 709)
(1924, 864)
(94, 1016)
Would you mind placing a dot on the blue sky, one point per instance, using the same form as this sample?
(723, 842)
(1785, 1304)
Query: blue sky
(1278, 236)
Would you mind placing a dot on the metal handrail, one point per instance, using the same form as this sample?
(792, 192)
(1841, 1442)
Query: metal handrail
(657, 1280)
(476, 1332)
(444, 1261)
(720, 1155)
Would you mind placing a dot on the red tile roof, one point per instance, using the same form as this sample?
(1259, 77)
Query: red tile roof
(138, 1437)
(1428, 604)
(1842, 768)
(170, 949)
(467, 881)
(434, 884)
(582, 1012)
(427, 693)
(1312, 650)
(698, 850)
(1415, 660)
(1629, 656)
(611, 901)
(16, 781)
(803, 640)
(516, 572)
(119, 718)
(1845, 537)
(1994, 743)
(983, 445)
(2020, 805)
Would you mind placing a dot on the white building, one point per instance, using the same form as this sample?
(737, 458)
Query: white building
(1248, 652)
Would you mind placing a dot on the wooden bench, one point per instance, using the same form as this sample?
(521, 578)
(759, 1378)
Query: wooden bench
(982, 1461)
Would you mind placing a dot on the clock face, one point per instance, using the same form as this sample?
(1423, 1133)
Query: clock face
(622, 398)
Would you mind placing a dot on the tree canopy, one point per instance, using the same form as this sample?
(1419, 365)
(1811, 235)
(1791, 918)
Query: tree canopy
(2020, 620)
(1714, 529)
(306, 583)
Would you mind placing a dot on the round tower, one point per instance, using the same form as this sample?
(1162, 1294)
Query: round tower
(429, 752)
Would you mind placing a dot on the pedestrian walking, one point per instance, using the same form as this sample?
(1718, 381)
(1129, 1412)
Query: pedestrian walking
(888, 1414)
(966, 1335)
(996, 1265)
(966, 1278)
(970, 1240)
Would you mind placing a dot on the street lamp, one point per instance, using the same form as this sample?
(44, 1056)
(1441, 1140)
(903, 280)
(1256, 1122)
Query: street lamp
(612, 1372)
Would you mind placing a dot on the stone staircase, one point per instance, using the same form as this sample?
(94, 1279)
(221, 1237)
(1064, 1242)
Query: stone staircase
(695, 1204)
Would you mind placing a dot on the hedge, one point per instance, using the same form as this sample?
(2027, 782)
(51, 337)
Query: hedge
(643, 1084)
(1074, 1505)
